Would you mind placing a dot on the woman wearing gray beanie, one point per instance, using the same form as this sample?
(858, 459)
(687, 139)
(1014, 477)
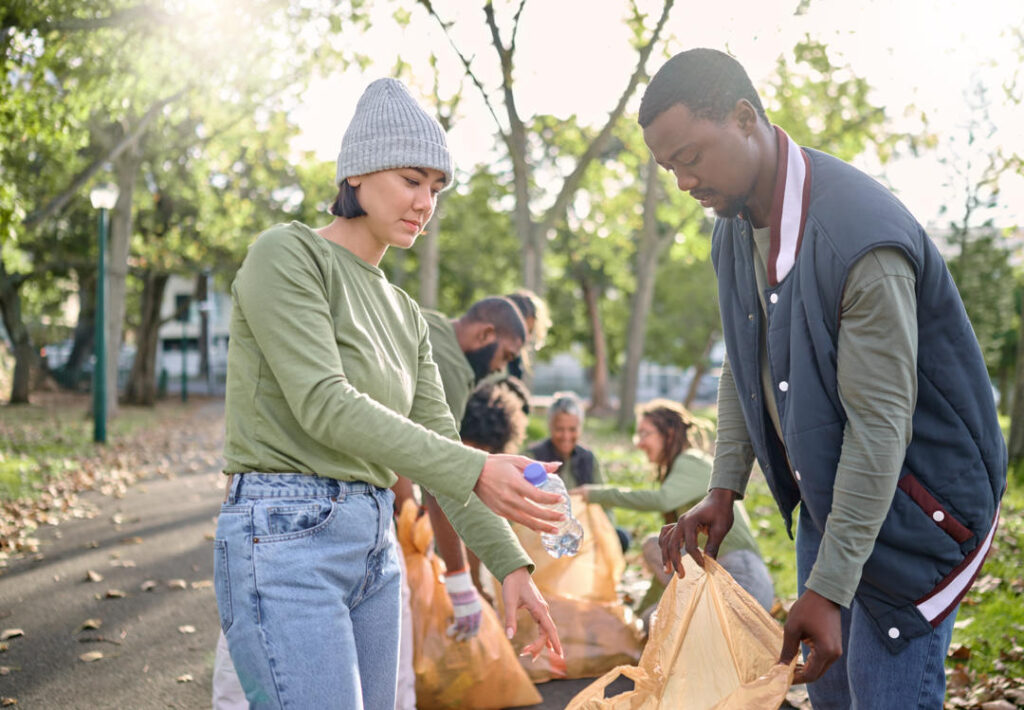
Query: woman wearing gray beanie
(331, 389)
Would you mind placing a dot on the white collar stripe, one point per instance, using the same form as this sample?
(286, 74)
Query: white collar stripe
(787, 229)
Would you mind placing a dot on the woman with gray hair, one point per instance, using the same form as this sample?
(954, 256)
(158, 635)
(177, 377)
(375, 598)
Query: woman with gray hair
(580, 467)
(331, 388)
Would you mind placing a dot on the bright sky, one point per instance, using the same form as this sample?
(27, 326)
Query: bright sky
(574, 57)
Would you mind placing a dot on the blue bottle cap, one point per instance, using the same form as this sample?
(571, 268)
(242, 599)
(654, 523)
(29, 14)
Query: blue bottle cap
(535, 473)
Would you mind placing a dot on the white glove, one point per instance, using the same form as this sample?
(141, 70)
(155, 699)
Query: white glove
(465, 604)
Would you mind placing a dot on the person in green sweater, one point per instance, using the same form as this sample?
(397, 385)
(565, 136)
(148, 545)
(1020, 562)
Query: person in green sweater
(331, 388)
(480, 342)
(669, 435)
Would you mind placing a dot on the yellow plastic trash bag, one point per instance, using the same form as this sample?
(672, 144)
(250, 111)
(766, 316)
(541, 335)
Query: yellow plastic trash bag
(597, 631)
(711, 647)
(480, 673)
(590, 574)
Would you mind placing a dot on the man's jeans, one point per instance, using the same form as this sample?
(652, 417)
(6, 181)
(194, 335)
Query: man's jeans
(308, 587)
(867, 676)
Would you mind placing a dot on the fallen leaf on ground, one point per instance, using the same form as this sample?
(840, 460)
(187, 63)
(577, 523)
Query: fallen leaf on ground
(960, 652)
(4, 646)
(148, 585)
(131, 540)
(958, 678)
(187, 629)
(115, 594)
(998, 705)
(5, 670)
(90, 624)
(93, 576)
(91, 656)
(10, 634)
(187, 678)
(202, 584)
(177, 584)
(8, 702)
(122, 563)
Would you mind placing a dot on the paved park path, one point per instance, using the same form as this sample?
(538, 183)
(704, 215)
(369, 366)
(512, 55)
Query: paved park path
(139, 568)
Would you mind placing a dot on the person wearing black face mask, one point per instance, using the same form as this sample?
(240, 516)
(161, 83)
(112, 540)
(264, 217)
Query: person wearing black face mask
(466, 350)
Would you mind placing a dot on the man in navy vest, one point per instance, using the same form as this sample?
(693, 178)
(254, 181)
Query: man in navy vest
(853, 377)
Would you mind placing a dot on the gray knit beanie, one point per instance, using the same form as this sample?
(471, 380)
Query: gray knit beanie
(390, 130)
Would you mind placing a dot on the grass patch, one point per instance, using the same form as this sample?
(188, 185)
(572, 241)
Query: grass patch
(45, 439)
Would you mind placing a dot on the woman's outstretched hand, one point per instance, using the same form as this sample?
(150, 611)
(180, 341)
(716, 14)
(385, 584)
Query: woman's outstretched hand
(503, 488)
(519, 591)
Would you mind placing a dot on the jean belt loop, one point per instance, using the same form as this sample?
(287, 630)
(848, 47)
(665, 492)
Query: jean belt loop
(236, 483)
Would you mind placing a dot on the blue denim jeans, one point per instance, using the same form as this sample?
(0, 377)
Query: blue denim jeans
(868, 676)
(308, 590)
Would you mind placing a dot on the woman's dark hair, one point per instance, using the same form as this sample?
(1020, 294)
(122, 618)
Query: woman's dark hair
(677, 427)
(495, 420)
(346, 204)
(706, 81)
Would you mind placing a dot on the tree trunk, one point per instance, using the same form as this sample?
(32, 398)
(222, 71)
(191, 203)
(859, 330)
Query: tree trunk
(127, 170)
(599, 403)
(24, 353)
(700, 368)
(142, 384)
(650, 249)
(85, 332)
(1016, 444)
(202, 297)
(430, 258)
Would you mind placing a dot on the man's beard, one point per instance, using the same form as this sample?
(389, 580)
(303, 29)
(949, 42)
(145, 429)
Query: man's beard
(733, 206)
(480, 360)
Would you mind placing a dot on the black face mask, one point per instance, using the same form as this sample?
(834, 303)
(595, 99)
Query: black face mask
(480, 360)
(515, 367)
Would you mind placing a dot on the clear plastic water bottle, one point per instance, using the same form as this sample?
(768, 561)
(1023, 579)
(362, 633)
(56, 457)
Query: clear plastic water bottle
(567, 540)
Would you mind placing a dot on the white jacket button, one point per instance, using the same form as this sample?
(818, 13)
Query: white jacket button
(774, 298)
(894, 633)
(938, 516)
(797, 474)
(783, 386)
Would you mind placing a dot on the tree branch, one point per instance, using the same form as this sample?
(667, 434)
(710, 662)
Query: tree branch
(515, 26)
(60, 201)
(572, 182)
(469, 69)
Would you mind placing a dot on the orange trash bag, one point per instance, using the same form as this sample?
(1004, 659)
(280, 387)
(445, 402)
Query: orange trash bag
(711, 647)
(479, 673)
(597, 631)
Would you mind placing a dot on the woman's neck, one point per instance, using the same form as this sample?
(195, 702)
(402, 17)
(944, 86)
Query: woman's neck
(354, 236)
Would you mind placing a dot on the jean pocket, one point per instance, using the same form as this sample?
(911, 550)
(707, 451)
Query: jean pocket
(222, 584)
(285, 522)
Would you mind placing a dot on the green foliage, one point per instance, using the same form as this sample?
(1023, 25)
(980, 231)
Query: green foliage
(684, 313)
(824, 106)
(987, 285)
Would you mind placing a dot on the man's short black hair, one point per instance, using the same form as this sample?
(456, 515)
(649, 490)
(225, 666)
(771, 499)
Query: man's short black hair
(499, 312)
(495, 420)
(706, 81)
(346, 204)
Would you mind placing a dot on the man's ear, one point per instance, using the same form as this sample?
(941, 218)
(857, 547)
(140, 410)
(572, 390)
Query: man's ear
(485, 334)
(354, 180)
(745, 115)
